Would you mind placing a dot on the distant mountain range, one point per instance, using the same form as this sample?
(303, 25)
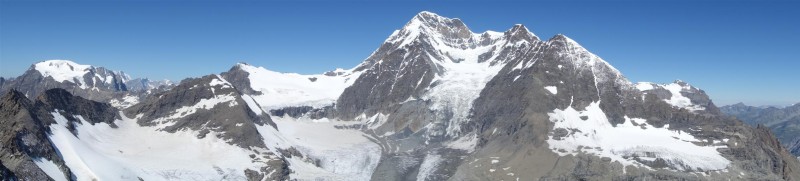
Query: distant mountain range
(784, 122)
(435, 101)
(94, 83)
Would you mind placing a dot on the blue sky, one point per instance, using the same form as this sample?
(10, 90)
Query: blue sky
(737, 51)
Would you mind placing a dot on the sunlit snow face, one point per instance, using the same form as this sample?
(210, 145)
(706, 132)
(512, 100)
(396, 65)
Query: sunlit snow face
(630, 143)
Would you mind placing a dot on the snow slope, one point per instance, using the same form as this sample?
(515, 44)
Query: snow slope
(291, 89)
(630, 140)
(130, 152)
(50, 168)
(63, 70)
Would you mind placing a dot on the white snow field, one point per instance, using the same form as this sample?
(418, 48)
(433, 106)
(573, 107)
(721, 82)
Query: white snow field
(65, 70)
(130, 152)
(625, 141)
(50, 168)
(291, 89)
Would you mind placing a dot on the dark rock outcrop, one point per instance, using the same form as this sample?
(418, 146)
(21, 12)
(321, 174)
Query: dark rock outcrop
(207, 104)
(26, 127)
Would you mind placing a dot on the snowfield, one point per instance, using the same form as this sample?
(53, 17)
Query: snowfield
(291, 89)
(63, 70)
(130, 152)
(633, 139)
(50, 168)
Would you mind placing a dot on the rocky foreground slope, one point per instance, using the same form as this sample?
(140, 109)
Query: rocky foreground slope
(435, 101)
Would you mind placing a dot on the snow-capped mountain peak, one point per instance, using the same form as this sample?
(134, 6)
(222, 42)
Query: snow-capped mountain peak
(678, 94)
(66, 70)
(62, 70)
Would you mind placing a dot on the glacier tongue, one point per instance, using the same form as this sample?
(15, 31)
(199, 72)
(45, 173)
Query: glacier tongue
(341, 153)
(457, 88)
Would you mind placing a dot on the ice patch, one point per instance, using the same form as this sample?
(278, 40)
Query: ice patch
(551, 89)
(626, 141)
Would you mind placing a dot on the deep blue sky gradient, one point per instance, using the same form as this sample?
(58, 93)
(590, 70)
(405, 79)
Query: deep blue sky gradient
(737, 51)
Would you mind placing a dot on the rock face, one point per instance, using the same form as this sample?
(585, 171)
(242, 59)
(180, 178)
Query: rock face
(25, 143)
(794, 147)
(61, 135)
(784, 122)
(206, 104)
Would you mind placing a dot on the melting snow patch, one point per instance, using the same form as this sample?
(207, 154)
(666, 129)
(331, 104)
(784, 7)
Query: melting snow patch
(625, 142)
(551, 89)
